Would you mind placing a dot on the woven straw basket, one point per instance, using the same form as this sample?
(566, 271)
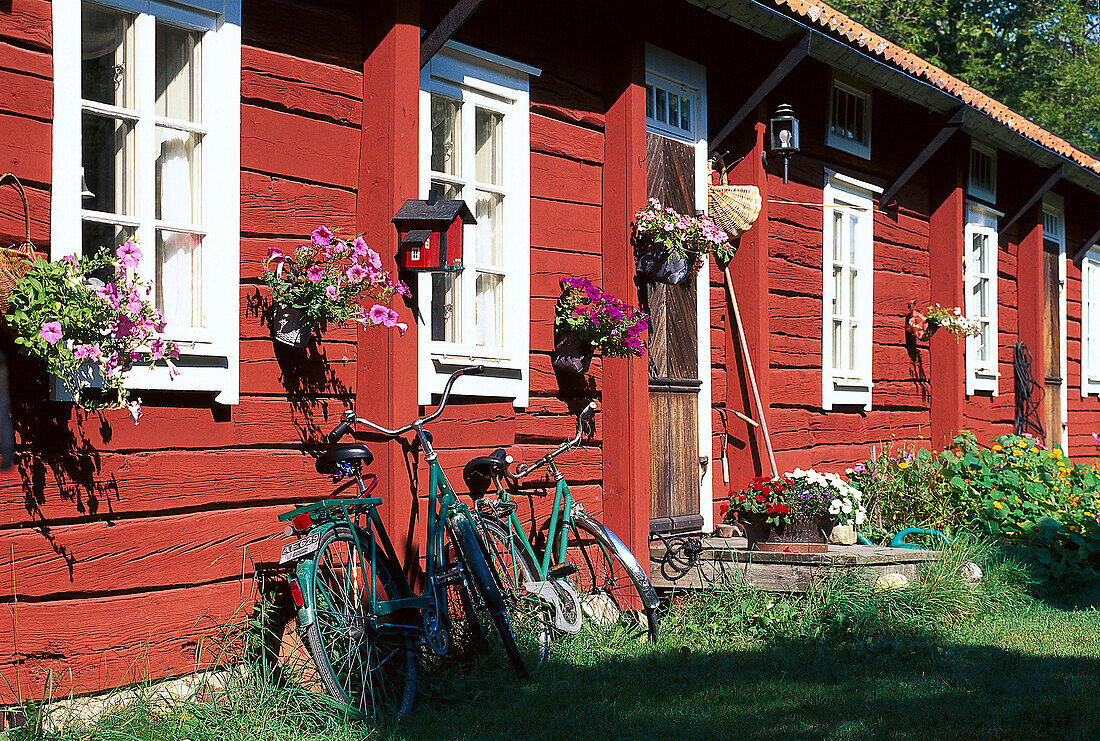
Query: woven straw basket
(15, 260)
(732, 207)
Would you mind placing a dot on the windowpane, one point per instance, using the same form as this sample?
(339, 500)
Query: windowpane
(179, 278)
(838, 339)
(489, 314)
(106, 54)
(489, 245)
(96, 236)
(446, 308)
(489, 146)
(853, 236)
(178, 189)
(853, 283)
(446, 135)
(838, 287)
(853, 331)
(673, 109)
(108, 159)
(178, 73)
(685, 114)
(838, 235)
(662, 106)
(650, 102)
(446, 191)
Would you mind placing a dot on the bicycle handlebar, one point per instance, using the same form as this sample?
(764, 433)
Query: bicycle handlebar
(349, 417)
(583, 417)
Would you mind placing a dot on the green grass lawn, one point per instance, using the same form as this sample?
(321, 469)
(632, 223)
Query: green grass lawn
(743, 665)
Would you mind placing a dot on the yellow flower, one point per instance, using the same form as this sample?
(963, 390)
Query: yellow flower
(1034, 450)
(1019, 501)
(997, 447)
(1073, 528)
(903, 464)
(1089, 515)
(1022, 444)
(998, 505)
(1054, 454)
(1016, 452)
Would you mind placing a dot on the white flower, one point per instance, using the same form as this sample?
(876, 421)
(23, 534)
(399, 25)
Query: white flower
(860, 516)
(834, 507)
(846, 508)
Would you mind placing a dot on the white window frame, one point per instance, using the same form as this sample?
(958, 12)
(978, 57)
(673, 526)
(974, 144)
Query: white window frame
(502, 85)
(975, 189)
(209, 358)
(1090, 320)
(981, 220)
(846, 195)
(860, 90)
(672, 73)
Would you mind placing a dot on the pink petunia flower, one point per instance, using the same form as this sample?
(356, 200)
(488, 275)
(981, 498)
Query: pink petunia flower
(383, 315)
(157, 348)
(88, 352)
(403, 289)
(321, 236)
(51, 332)
(402, 328)
(330, 293)
(359, 247)
(110, 294)
(356, 274)
(128, 255)
(315, 273)
(373, 259)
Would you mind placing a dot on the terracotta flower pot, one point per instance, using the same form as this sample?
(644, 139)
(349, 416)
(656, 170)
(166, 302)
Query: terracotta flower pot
(290, 327)
(571, 354)
(655, 263)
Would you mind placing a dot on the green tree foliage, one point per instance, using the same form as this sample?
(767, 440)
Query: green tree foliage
(1040, 57)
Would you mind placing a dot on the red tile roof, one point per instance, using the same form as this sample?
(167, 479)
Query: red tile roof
(859, 35)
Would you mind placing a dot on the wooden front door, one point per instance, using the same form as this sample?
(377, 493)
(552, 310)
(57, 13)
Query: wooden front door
(674, 385)
(1053, 255)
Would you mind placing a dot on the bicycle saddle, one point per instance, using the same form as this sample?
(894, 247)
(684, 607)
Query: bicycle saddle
(326, 463)
(479, 472)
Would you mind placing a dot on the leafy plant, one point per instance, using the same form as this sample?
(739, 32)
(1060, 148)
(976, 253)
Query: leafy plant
(611, 326)
(90, 320)
(683, 236)
(331, 280)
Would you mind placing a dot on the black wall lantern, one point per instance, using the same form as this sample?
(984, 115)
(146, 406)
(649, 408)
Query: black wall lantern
(783, 135)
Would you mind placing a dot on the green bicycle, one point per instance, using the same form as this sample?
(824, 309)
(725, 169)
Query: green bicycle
(362, 621)
(571, 571)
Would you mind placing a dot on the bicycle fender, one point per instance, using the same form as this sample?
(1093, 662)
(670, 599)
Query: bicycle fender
(629, 560)
(303, 572)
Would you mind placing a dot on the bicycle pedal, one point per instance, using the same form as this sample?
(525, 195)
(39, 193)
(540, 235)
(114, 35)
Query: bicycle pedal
(562, 570)
(447, 576)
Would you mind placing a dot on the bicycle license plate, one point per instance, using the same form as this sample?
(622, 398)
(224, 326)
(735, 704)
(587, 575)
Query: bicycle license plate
(299, 548)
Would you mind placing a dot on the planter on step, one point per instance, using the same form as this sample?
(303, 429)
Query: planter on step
(799, 535)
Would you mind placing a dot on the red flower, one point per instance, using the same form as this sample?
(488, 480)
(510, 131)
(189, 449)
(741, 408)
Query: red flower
(761, 498)
(723, 510)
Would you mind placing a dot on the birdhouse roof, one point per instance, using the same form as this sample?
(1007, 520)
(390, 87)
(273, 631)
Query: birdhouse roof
(433, 212)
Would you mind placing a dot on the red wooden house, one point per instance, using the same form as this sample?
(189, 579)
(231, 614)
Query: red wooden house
(215, 129)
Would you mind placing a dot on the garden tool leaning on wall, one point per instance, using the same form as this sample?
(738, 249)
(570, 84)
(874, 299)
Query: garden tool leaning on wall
(735, 208)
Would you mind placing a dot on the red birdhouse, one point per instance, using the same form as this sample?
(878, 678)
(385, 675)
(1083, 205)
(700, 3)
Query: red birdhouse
(431, 235)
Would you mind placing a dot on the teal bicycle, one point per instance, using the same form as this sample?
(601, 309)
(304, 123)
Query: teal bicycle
(570, 572)
(361, 619)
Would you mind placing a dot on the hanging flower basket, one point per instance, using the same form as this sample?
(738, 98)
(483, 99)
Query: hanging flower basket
(290, 327)
(656, 263)
(669, 246)
(329, 281)
(16, 260)
(571, 353)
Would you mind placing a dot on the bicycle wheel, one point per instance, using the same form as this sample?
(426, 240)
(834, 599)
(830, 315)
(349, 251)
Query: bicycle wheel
(614, 588)
(531, 618)
(484, 589)
(365, 660)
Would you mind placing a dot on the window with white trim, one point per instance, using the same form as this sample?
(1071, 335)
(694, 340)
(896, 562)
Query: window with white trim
(672, 107)
(982, 182)
(848, 271)
(475, 146)
(147, 147)
(1090, 323)
(850, 116)
(980, 286)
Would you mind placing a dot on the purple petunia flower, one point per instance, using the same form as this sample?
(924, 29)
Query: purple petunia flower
(321, 236)
(356, 274)
(315, 273)
(330, 293)
(128, 255)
